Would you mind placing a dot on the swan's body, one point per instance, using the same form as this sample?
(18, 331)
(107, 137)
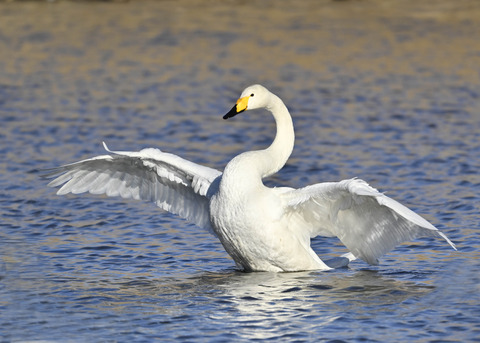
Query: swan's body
(262, 228)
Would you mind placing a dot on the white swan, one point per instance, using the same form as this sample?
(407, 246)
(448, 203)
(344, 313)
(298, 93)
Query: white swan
(263, 229)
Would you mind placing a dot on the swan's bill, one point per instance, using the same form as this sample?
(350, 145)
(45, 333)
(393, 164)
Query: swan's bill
(239, 107)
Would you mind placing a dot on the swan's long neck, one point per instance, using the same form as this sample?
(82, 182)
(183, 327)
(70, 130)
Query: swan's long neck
(277, 154)
(248, 169)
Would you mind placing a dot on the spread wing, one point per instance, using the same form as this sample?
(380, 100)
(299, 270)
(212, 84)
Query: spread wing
(367, 222)
(171, 182)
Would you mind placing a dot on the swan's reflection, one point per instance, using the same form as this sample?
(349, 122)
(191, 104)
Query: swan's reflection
(268, 301)
(270, 289)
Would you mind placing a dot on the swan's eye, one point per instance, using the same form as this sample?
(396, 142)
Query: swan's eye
(252, 94)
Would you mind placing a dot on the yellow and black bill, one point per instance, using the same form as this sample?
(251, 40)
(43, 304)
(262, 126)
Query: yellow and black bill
(239, 107)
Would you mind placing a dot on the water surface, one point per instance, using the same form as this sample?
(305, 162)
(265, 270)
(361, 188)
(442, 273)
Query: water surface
(382, 90)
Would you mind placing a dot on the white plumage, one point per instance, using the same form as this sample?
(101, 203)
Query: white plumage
(263, 229)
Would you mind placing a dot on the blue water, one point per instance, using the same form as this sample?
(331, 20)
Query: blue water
(390, 94)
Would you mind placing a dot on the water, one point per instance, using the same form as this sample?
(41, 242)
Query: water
(383, 90)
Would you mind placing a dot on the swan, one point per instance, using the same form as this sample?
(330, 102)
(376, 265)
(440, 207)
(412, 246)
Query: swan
(261, 228)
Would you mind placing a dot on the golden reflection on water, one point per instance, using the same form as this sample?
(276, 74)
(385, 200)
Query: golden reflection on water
(75, 38)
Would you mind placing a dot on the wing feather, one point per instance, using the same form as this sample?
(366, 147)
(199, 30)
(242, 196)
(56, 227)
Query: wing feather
(368, 222)
(172, 183)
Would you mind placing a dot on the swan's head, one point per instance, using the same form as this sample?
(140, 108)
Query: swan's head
(252, 97)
